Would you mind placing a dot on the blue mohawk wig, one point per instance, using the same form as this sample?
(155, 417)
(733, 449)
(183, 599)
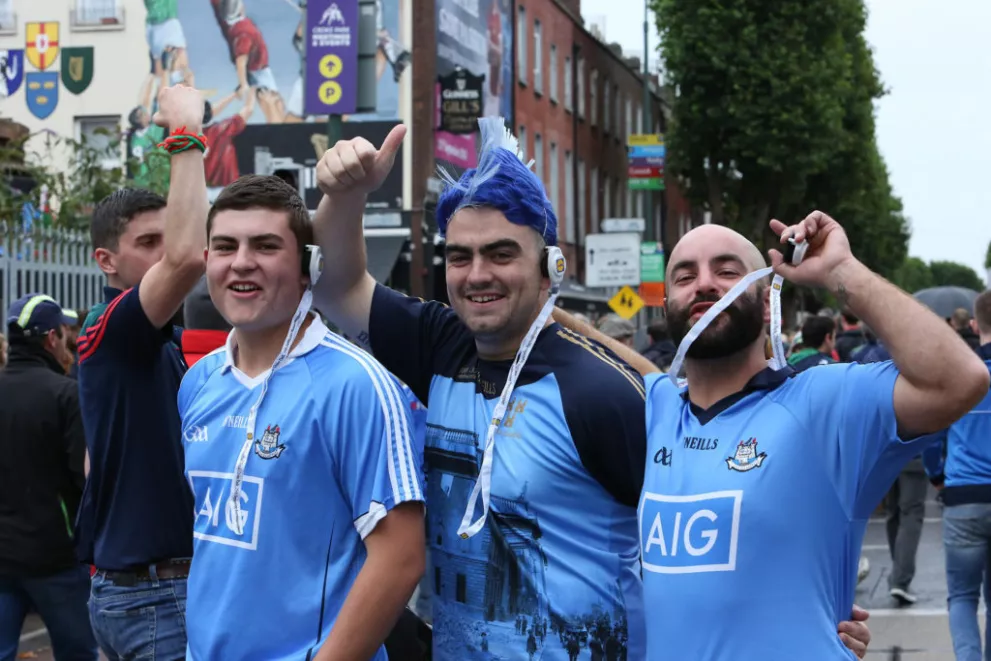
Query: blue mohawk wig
(501, 181)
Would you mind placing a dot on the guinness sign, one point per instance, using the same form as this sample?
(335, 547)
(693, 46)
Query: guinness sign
(460, 101)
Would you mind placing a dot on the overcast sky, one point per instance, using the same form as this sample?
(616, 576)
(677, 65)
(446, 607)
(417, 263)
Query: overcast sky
(934, 126)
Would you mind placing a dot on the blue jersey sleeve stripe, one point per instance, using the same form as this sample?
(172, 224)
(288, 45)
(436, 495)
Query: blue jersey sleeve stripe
(584, 343)
(397, 427)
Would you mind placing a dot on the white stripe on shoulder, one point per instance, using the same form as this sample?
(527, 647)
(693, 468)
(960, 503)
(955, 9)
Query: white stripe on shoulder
(393, 403)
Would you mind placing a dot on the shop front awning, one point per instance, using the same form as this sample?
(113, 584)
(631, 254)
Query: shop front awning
(383, 246)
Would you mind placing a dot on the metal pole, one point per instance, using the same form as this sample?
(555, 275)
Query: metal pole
(647, 126)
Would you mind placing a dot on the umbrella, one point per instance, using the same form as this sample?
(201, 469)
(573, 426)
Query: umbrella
(944, 300)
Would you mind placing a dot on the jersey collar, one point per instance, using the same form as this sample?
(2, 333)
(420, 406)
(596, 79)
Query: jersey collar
(767, 379)
(311, 340)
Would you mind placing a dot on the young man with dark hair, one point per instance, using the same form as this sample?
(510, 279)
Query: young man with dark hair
(292, 411)
(817, 338)
(41, 482)
(135, 523)
(851, 337)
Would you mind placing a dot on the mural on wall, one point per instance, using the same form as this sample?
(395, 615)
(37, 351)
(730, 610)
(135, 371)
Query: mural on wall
(246, 56)
(41, 51)
(476, 37)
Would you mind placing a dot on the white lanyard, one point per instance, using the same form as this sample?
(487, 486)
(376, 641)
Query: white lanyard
(778, 360)
(483, 484)
(235, 517)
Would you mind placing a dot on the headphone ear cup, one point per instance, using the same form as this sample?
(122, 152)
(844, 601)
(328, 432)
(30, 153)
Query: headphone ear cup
(544, 269)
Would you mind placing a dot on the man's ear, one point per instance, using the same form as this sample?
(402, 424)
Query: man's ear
(105, 260)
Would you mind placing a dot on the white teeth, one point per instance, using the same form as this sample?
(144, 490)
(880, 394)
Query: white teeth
(243, 288)
(482, 299)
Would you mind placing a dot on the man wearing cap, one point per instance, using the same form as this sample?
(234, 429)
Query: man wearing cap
(41, 483)
(536, 438)
(619, 329)
(135, 523)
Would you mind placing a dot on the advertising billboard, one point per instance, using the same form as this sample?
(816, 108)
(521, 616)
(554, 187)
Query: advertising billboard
(476, 36)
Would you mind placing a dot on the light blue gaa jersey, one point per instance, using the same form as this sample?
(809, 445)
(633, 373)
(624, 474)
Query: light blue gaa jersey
(753, 511)
(968, 452)
(334, 453)
(554, 572)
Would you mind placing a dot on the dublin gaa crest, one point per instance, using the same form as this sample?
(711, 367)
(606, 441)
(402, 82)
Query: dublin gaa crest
(746, 457)
(268, 446)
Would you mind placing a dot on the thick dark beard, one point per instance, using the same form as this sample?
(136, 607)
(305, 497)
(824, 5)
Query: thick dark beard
(744, 326)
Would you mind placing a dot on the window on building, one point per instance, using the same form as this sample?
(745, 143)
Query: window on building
(521, 43)
(593, 213)
(639, 119)
(606, 198)
(538, 156)
(569, 198)
(554, 178)
(593, 100)
(538, 59)
(628, 125)
(581, 87)
(8, 19)
(614, 112)
(582, 217)
(552, 66)
(97, 12)
(567, 84)
(99, 134)
(606, 108)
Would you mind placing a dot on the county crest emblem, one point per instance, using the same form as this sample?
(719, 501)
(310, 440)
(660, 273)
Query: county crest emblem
(268, 446)
(746, 457)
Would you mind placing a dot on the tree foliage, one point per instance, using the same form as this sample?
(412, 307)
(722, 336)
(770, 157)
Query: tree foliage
(773, 116)
(914, 274)
(77, 174)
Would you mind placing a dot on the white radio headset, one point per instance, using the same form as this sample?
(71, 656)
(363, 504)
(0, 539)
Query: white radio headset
(794, 254)
(312, 267)
(554, 268)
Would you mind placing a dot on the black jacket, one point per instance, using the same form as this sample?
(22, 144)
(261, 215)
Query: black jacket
(42, 448)
(972, 339)
(661, 353)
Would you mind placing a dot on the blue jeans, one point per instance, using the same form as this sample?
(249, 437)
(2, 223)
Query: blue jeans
(143, 621)
(60, 601)
(967, 542)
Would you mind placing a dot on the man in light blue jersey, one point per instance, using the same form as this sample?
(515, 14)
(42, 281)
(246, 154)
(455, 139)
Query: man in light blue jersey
(960, 466)
(300, 453)
(757, 518)
(542, 426)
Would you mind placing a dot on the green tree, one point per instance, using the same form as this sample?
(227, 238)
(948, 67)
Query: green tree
(773, 116)
(913, 275)
(74, 172)
(956, 275)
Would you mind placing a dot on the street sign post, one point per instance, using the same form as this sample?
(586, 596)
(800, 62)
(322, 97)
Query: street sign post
(612, 260)
(626, 303)
(645, 161)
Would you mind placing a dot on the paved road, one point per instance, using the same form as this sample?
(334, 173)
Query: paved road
(917, 633)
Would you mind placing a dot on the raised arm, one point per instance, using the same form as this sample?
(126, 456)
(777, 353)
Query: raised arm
(941, 378)
(346, 174)
(167, 282)
(630, 356)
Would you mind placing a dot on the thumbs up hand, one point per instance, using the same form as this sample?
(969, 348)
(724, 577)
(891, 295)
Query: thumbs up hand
(356, 166)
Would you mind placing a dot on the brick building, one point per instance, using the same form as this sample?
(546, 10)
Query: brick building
(575, 99)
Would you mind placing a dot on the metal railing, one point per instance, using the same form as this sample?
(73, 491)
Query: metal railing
(48, 261)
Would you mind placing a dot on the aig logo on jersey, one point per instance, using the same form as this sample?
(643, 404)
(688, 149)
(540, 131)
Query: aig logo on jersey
(690, 534)
(214, 521)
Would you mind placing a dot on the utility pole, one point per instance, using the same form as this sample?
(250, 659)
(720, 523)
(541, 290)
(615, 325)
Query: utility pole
(647, 125)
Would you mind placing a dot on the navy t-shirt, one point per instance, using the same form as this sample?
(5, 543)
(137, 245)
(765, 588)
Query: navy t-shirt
(137, 508)
(557, 560)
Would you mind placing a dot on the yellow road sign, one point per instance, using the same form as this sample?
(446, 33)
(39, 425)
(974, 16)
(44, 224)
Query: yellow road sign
(626, 303)
(645, 140)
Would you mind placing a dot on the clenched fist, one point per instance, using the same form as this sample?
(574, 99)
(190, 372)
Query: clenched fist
(356, 166)
(180, 106)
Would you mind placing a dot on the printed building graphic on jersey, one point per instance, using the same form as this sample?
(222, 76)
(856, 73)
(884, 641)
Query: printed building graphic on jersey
(490, 591)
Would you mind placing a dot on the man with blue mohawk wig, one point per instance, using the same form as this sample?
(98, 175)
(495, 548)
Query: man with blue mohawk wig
(536, 436)
(535, 446)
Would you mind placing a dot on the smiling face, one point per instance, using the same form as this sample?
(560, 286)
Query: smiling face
(253, 268)
(707, 263)
(494, 279)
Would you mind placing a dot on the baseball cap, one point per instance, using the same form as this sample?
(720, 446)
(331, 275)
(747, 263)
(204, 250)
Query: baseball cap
(616, 327)
(36, 314)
